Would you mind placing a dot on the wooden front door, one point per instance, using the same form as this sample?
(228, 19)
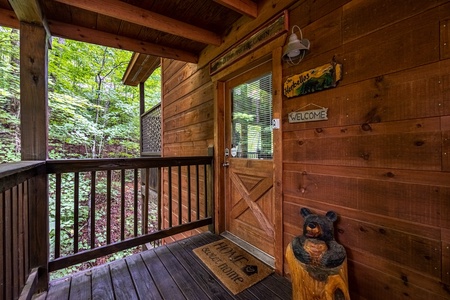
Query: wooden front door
(249, 201)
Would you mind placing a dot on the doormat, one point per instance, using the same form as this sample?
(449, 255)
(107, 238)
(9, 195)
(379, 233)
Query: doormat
(234, 267)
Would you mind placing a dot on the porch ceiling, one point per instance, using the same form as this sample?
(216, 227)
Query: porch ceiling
(176, 29)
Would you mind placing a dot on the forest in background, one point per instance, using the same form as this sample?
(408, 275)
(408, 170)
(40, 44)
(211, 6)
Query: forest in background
(92, 114)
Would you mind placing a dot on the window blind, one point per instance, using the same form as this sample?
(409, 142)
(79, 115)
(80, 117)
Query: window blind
(252, 118)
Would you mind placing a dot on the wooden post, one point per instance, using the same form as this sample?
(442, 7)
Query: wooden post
(306, 287)
(34, 136)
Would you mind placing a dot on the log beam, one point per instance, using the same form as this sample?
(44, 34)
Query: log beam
(245, 7)
(93, 36)
(87, 35)
(30, 11)
(9, 19)
(130, 13)
(27, 11)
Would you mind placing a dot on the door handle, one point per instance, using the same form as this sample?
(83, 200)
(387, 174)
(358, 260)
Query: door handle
(226, 164)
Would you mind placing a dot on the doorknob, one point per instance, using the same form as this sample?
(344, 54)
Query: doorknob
(226, 164)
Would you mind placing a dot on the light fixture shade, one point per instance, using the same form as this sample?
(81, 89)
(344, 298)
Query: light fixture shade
(296, 48)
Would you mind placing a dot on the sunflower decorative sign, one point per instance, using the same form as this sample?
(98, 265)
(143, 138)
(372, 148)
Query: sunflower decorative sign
(314, 80)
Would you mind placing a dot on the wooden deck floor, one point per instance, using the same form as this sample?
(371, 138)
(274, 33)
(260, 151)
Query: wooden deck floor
(167, 272)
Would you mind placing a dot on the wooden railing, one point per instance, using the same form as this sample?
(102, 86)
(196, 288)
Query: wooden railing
(95, 188)
(17, 266)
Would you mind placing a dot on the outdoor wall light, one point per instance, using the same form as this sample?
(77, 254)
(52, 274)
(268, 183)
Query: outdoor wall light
(295, 49)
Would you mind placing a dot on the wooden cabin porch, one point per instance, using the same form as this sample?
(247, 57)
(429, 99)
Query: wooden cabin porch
(171, 271)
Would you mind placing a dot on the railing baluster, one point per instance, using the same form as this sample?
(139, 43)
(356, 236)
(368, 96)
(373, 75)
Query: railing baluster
(26, 247)
(205, 186)
(15, 236)
(180, 199)
(159, 199)
(58, 216)
(122, 205)
(146, 201)
(76, 214)
(8, 244)
(136, 202)
(93, 175)
(189, 208)
(198, 191)
(108, 206)
(22, 216)
(170, 197)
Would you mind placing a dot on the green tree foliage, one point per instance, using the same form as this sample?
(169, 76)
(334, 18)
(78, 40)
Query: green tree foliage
(92, 113)
(9, 95)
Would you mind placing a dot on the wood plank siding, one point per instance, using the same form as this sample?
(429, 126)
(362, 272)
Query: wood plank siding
(381, 160)
(187, 126)
(168, 272)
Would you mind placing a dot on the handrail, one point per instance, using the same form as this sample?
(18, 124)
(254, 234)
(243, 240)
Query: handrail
(188, 181)
(171, 167)
(12, 174)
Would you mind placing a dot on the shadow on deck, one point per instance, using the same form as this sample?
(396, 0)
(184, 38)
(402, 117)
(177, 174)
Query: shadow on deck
(168, 272)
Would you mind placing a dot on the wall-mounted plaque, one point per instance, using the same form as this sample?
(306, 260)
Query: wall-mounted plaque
(314, 80)
(268, 32)
(319, 114)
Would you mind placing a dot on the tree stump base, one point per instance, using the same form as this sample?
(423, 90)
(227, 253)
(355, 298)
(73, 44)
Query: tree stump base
(332, 286)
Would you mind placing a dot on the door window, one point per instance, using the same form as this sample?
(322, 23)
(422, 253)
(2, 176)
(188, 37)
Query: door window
(252, 118)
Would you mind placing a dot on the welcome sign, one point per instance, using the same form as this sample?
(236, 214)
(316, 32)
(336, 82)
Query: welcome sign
(320, 114)
(236, 268)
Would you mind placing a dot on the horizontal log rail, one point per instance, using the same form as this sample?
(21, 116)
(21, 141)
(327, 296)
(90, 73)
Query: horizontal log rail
(84, 192)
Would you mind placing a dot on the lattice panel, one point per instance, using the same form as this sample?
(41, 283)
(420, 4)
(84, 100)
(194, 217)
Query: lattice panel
(151, 130)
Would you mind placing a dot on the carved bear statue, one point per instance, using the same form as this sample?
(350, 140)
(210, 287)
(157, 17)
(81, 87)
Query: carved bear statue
(317, 246)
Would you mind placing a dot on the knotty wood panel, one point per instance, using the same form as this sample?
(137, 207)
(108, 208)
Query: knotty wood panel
(293, 218)
(379, 285)
(398, 46)
(410, 146)
(190, 101)
(361, 16)
(446, 144)
(409, 94)
(185, 87)
(316, 10)
(199, 115)
(183, 73)
(446, 256)
(171, 67)
(324, 34)
(410, 202)
(399, 272)
(201, 131)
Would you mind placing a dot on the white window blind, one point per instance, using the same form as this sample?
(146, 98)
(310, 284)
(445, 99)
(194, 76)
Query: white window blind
(252, 117)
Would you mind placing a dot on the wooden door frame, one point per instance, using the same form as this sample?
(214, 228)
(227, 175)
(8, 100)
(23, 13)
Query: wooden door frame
(271, 51)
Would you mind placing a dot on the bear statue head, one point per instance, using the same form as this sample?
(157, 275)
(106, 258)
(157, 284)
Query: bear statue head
(318, 227)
